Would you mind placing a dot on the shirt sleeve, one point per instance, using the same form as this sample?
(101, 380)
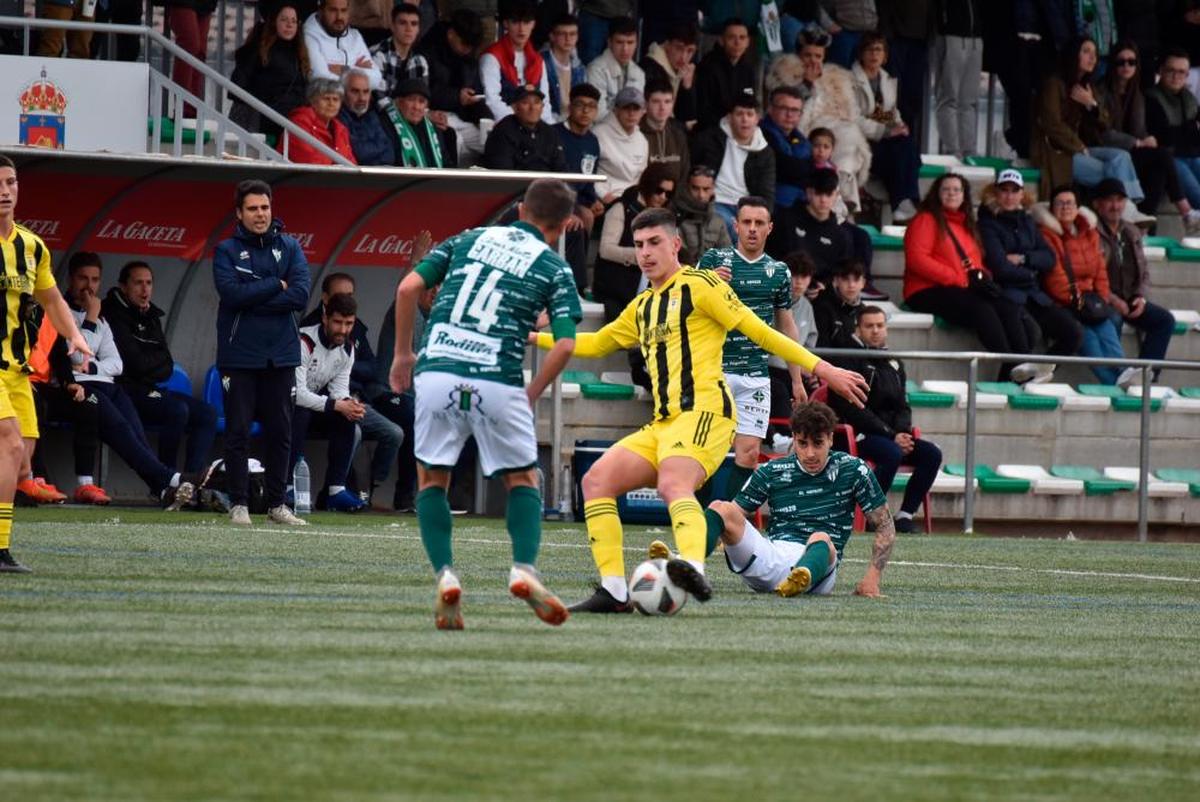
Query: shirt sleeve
(722, 304)
(709, 261)
(866, 488)
(44, 278)
(619, 335)
(783, 289)
(754, 493)
(564, 296)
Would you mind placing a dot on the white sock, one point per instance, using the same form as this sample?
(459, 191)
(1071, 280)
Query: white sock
(617, 587)
(519, 570)
(174, 481)
(903, 514)
(28, 476)
(335, 489)
(85, 480)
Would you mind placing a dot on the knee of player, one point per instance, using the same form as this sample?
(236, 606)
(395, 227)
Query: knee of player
(595, 484)
(746, 454)
(730, 513)
(12, 447)
(824, 537)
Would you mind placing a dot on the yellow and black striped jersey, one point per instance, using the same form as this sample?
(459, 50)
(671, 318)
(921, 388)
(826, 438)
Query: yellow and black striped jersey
(24, 268)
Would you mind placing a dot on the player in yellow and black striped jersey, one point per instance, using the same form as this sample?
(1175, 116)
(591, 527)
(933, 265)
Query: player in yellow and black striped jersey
(679, 323)
(26, 280)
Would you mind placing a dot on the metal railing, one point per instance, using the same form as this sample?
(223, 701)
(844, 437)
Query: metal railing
(972, 360)
(178, 99)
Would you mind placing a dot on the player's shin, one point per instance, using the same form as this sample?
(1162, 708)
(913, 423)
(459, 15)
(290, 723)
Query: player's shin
(817, 558)
(688, 524)
(433, 518)
(606, 538)
(524, 520)
(714, 525)
(6, 519)
(736, 480)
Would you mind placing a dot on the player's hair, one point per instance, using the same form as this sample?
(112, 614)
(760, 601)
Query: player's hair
(785, 90)
(822, 132)
(564, 20)
(319, 87)
(1174, 52)
(745, 99)
(251, 186)
(467, 25)
(813, 420)
(82, 259)
(1062, 189)
(799, 263)
(659, 88)
(873, 38)
(685, 32)
(549, 202)
(520, 11)
(823, 181)
(813, 38)
(128, 268)
(732, 21)
(329, 280)
(754, 201)
(655, 218)
(341, 304)
(849, 268)
(406, 8)
(7, 162)
(622, 26)
(585, 90)
(869, 310)
(652, 177)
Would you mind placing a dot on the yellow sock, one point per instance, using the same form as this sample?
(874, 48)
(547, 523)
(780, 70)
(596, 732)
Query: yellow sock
(687, 521)
(6, 513)
(604, 533)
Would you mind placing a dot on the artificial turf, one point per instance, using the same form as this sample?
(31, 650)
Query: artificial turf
(159, 657)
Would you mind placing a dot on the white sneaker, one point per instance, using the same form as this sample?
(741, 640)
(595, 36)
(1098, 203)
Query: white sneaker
(1134, 216)
(283, 515)
(1126, 377)
(1023, 372)
(905, 212)
(778, 444)
(1191, 223)
(447, 610)
(239, 515)
(1044, 372)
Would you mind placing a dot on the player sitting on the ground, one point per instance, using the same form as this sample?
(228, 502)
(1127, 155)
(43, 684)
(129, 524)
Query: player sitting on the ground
(884, 426)
(765, 286)
(323, 400)
(811, 494)
(680, 323)
(495, 281)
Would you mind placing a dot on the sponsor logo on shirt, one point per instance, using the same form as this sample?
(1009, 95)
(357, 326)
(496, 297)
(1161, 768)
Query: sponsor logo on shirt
(447, 341)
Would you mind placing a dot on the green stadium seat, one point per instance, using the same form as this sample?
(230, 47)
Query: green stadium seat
(188, 137)
(1189, 475)
(932, 171)
(1094, 482)
(607, 392)
(1017, 397)
(1044, 483)
(994, 162)
(1190, 392)
(580, 377)
(1178, 253)
(989, 480)
(1121, 401)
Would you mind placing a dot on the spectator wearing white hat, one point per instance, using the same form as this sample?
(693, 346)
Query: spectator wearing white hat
(624, 149)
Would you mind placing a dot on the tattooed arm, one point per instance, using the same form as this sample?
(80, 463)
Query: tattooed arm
(885, 537)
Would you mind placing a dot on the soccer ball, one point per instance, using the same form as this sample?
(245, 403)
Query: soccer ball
(653, 592)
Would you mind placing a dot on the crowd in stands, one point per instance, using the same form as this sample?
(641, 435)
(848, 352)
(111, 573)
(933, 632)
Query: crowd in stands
(814, 105)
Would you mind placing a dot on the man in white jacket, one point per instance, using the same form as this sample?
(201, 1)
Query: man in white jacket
(615, 69)
(624, 149)
(324, 405)
(334, 47)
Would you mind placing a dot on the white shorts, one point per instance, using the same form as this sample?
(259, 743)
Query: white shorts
(451, 408)
(763, 563)
(752, 398)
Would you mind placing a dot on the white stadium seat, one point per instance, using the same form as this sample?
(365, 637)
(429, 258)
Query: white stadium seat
(1070, 398)
(1043, 483)
(1158, 487)
(959, 390)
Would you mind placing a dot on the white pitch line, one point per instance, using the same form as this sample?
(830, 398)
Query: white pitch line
(639, 549)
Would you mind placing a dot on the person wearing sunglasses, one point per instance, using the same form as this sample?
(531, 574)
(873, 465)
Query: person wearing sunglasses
(617, 276)
(1120, 93)
(1172, 114)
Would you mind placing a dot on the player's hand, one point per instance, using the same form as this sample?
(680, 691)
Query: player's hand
(846, 383)
(400, 376)
(76, 392)
(687, 75)
(283, 285)
(1137, 307)
(440, 120)
(723, 272)
(467, 96)
(91, 305)
(1119, 304)
(574, 223)
(799, 393)
(421, 245)
(532, 398)
(814, 289)
(868, 589)
(543, 320)
(78, 345)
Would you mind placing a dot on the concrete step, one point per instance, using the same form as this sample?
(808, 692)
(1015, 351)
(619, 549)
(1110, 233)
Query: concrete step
(1083, 512)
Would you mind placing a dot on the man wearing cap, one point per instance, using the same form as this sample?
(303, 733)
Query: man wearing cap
(1019, 259)
(415, 138)
(1129, 276)
(524, 140)
(624, 149)
(738, 151)
(511, 66)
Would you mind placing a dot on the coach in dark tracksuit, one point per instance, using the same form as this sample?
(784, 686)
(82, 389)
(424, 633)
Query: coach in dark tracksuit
(262, 281)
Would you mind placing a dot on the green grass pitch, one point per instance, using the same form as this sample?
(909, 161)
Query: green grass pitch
(171, 658)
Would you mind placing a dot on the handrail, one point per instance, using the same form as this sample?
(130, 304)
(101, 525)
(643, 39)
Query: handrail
(167, 44)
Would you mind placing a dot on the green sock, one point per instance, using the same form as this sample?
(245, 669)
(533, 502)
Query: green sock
(705, 493)
(736, 480)
(715, 526)
(816, 560)
(524, 520)
(433, 517)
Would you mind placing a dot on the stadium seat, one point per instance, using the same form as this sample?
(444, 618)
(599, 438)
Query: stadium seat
(958, 389)
(1069, 399)
(214, 394)
(1094, 482)
(1017, 397)
(1190, 392)
(989, 481)
(624, 379)
(1044, 484)
(949, 483)
(1157, 487)
(1118, 398)
(1186, 320)
(921, 398)
(178, 382)
(1189, 475)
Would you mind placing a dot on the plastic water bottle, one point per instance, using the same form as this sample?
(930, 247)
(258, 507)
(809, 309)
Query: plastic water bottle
(565, 491)
(301, 482)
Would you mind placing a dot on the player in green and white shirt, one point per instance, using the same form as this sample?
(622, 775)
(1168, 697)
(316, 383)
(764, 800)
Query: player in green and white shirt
(494, 283)
(764, 285)
(811, 494)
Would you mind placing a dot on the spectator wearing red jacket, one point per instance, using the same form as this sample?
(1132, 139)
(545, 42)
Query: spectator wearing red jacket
(944, 274)
(319, 119)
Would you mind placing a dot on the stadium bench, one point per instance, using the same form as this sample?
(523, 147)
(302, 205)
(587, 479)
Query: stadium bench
(989, 481)
(1094, 482)
(214, 394)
